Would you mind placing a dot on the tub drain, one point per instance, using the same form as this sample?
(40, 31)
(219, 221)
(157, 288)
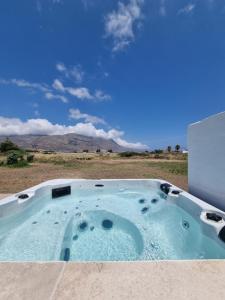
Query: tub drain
(144, 210)
(185, 224)
(107, 224)
(75, 237)
(83, 226)
(154, 200)
(141, 201)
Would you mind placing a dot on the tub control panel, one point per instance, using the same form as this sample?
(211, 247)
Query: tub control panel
(61, 192)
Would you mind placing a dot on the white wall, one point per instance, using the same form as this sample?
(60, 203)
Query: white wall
(206, 146)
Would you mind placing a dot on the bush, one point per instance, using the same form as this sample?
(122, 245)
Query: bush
(20, 164)
(158, 151)
(177, 148)
(127, 154)
(30, 158)
(19, 152)
(132, 153)
(16, 159)
(12, 159)
(8, 145)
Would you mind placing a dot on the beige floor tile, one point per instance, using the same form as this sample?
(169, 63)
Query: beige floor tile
(28, 281)
(148, 280)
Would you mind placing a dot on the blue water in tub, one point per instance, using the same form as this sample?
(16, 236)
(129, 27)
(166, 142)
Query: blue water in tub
(105, 224)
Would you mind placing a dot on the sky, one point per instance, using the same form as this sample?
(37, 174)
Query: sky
(136, 71)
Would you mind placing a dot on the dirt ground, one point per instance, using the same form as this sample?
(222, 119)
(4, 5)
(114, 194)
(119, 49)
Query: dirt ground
(13, 180)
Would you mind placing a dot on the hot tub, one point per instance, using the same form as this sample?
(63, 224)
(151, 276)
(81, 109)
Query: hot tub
(109, 220)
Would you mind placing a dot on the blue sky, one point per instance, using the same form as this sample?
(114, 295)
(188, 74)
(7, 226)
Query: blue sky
(137, 71)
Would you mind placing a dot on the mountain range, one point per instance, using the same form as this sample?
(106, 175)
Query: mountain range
(64, 143)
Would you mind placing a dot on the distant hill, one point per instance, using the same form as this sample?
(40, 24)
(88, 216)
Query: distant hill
(64, 143)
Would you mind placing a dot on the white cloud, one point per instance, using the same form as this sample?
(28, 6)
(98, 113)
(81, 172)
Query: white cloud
(26, 84)
(77, 115)
(162, 8)
(123, 143)
(76, 73)
(120, 24)
(44, 88)
(51, 96)
(36, 113)
(39, 6)
(35, 106)
(57, 84)
(56, 1)
(15, 126)
(188, 9)
(100, 95)
(88, 3)
(80, 92)
(61, 67)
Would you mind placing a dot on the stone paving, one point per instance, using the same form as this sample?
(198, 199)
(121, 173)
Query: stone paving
(191, 280)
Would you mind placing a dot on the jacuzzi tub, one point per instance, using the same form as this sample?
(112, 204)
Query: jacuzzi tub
(109, 220)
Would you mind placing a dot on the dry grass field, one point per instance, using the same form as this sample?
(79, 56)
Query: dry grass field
(92, 166)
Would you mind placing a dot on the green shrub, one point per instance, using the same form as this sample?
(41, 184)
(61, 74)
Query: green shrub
(20, 164)
(12, 159)
(177, 148)
(126, 154)
(8, 145)
(30, 158)
(20, 152)
(132, 153)
(16, 159)
(158, 151)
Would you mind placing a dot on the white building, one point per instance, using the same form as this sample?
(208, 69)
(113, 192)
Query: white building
(206, 147)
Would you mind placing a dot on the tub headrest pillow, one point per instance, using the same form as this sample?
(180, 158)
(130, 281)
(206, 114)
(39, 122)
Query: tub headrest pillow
(165, 187)
(222, 234)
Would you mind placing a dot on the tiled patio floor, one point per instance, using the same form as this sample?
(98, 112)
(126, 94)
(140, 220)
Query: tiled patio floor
(191, 280)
